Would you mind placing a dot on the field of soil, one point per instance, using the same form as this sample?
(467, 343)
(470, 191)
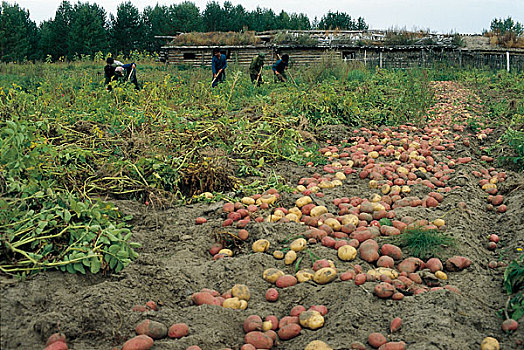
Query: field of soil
(95, 311)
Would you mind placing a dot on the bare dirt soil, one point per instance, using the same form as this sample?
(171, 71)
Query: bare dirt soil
(95, 312)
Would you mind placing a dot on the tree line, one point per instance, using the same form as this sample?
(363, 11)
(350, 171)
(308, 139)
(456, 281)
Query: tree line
(85, 29)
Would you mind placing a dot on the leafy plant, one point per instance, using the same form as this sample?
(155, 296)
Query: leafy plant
(423, 243)
(514, 275)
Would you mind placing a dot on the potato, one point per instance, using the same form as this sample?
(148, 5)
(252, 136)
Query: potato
(178, 330)
(304, 275)
(317, 265)
(376, 340)
(260, 246)
(272, 294)
(232, 303)
(272, 334)
(395, 324)
(57, 345)
(457, 263)
(248, 201)
(226, 251)
(333, 223)
(274, 321)
(350, 219)
(271, 275)
(140, 342)
(347, 253)
(252, 323)
(410, 265)
(201, 298)
(397, 345)
(509, 325)
(296, 211)
(317, 211)
(311, 319)
(303, 201)
(290, 257)
(434, 265)
(247, 347)
(278, 254)
(297, 310)
(386, 261)
(317, 345)
(286, 281)
(266, 199)
(360, 279)
(241, 291)
(441, 275)
(489, 343)
(325, 275)
(267, 326)
(288, 320)
(369, 251)
(384, 290)
(153, 329)
(289, 331)
(56, 337)
(259, 340)
(298, 245)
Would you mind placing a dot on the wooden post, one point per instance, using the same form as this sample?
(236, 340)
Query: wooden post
(380, 60)
(507, 61)
(365, 58)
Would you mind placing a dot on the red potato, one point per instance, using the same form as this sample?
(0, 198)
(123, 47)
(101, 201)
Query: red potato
(297, 310)
(321, 263)
(395, 324)
(259, 340)
(410, 265)
(286, 281)
(152, 305)
(452, 288)
(322, 309)
(509, 325)
(252, 323)
(369, 251)
(140, 342)
(361, 235)
(139, 308)
(397, 296)
(384, 290)
(340, 243)
(389, 231)
(57, 345)
(502, 208)
(457, 263)
(415, 277)
(284, 321)
(248, 347)
(356, 345)
(228, 208)
(376, 340)
(192, 347)
(360, 279)
(434, 265)
(272, 334)
(494, 238)
(200, 220)
(348, 275)
(153, 329)
(392, 251)
(328, 242)
(386, 261)
(243, 234)
(202, 298)
(274, 321)
(272, 294)
(215, 248)
(178, 330)
(55, 337)
(400, 345)
(289, 331)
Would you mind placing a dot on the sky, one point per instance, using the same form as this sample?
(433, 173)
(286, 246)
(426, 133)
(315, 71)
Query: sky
(441, 16)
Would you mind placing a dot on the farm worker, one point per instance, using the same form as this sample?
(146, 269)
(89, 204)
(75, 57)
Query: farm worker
(109, 72)
(255, 68)
(279, 68)
(128, 73)
(218, 67)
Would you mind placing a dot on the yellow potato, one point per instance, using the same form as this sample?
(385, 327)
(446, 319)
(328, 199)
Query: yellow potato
(267, 325)
(489, 343)
(278, 254)
(268, 198)
(290, 257)
(243, 304)
(377, 206)
(402, 170)
(350, 163)
(260, 246)
(225, 251)
(241, 291)
(340, 175)
(303, 201)
(305, 275)
(271, 275)
(232, 303)
(405, 189)
(489, 186)
(301, 188)
(318, 210)
(248, 201)
(373, 154)
(292, 217)
(273, 218)
(318, 345)
(347, 253)
(350, 219)
(375, 198)
(439, 222)
(279, 212)
(325, 275)
(314, 189)
(298, 245)
(207, 195)
(385, 189)
(441, 275)
(393, 274)
(336, 183)
(295, 211)
(373, 184)
(333, 223)
(311, 319)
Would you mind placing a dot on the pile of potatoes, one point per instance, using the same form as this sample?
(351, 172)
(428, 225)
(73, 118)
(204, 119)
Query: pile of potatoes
(263, 334)
(489, 179)
(323, 272)
(148, 331)
(237, 298)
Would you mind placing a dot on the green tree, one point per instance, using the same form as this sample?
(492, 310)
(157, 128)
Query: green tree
(185, 17)
(88, 33)
(127, 30)
(18, 34)
(299, 22)
(341, 20)
(214, 17)
(507, 25)
(156, 22)
(54, 33)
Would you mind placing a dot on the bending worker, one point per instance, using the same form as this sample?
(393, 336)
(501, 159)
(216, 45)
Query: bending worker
(255, 68)
(279, 68)
(218, 67)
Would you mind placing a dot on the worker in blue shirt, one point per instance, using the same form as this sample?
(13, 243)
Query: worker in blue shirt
(218, 67)
(279, 68)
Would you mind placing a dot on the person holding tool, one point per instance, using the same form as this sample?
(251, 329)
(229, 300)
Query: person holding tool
(279, 68)
(255, 68)
(218, 67)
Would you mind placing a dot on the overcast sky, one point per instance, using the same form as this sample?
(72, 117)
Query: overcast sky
(443, 16)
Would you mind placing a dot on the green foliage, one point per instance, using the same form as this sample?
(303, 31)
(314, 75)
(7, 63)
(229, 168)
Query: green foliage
(341, 20)
(126, 30)
(18, 34)
(515, 141)
(507, 25)
(514, 275)
(423, 243)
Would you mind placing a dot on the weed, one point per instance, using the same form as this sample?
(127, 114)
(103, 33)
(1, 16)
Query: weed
(423, 243)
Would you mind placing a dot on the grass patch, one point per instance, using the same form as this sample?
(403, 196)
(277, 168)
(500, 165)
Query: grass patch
(424, 244)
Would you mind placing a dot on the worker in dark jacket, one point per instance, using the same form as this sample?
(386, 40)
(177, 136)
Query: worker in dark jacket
(117, 71)
(109, 72)
(279, 68)
(255, 68)
(218, 67)
(128, 73)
